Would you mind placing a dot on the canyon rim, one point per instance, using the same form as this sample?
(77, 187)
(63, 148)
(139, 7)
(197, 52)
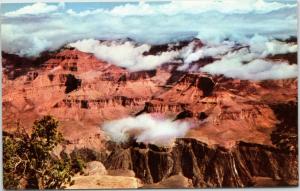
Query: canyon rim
(153, 94)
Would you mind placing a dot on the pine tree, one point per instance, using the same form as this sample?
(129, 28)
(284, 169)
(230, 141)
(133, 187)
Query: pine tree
(27, 158)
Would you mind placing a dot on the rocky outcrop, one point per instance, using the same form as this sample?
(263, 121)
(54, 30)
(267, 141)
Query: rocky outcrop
(66, 61)
(206, 166)
(15, 66)
(82, 92)
(141, 75)
(32, 75)
(267, 161)
(285, 136)
(175, 182)
(203, 83)
(121, 172)
(97, 91)
(157, 49)
(160, 107)
(175, 77)
(86, 154)
(184, 114)
(290, 57)
(94, 168)
(104, 182)
(87, 103)
(196, 65)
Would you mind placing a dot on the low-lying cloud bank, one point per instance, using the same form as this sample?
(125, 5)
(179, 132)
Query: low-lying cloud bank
(248, 66)
(124, 54)
(147, 129)
(246, 61)
(221, 25)
(39, 27)
(249, 61)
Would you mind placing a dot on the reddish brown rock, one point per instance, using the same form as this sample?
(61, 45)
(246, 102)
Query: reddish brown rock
(83, 92)
(206, 166)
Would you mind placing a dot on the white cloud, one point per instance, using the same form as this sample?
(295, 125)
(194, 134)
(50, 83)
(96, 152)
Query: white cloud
(124, 54)
(39, 27)
(261, 44)
(130, 55)
(208, 51)
(34, 9)
(146, 128)
(244, 63)
(211, 21)
(277, 47)
(226, 6)
(196, 7)
(249, 66)
(193, 53)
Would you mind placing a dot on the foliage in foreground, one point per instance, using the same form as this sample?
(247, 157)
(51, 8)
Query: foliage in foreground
(27, 159)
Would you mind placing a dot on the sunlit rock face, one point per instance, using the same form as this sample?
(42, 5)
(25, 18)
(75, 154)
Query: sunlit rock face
(231, 125)
(84, 91)
(204, 165)
(178, 94)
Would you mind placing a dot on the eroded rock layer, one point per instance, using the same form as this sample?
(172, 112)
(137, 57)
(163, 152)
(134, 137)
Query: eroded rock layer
(206, 166)
(243, 133)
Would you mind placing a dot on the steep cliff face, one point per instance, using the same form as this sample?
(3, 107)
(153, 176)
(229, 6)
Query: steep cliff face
(243, 165)
(290, 57)
(83, 92)
(285, 136)
(117, 101)
(160, 107)
(157, 49)
(141, 75)
(205, 165)
(266, 161)
(15, 66)
(203, 83)
(253, 122)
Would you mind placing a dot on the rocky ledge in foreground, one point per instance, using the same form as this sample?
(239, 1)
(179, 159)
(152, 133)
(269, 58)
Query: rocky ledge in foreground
(206, 166)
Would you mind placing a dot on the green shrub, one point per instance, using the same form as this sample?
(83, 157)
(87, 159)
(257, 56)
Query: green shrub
(28, 157)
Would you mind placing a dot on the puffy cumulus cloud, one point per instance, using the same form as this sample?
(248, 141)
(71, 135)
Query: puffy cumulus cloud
(40, 27)
(244, 61)
(34, 9)
(242, 64)
(195, 7)
(146, 128)
(124, 54)
(225, 6)
(260, 44)
(277, 47)
(233, 60)
(191, 53)
(221, 25)
(208, 51)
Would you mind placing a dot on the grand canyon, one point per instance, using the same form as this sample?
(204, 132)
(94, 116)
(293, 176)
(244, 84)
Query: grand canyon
(177, 114)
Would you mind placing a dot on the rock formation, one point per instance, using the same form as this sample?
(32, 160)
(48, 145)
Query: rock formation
(244, 132)
(206, 166)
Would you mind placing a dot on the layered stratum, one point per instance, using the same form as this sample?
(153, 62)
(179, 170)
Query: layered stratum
(182, 112)
(226, 120)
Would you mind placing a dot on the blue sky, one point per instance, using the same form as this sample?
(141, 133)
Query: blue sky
(81, 6)
(75, 6)
(78, 6)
